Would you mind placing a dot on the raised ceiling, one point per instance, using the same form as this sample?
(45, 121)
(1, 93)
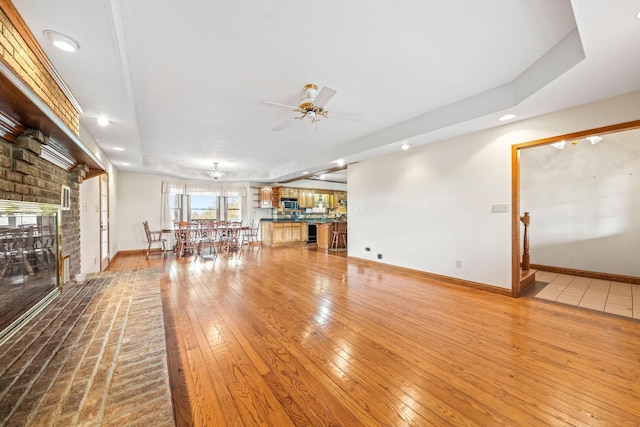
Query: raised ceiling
(183, 83)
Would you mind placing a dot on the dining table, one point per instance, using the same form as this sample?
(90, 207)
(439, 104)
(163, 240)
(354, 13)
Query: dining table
(226, 234)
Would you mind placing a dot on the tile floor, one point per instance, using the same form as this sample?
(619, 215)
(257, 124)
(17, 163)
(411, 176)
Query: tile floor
(622, 299)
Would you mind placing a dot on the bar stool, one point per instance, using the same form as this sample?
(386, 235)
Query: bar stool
(339, 236)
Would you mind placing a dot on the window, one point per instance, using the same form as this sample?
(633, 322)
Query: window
(203, 208)
(175, 208)
(185, 207)
(234, 208)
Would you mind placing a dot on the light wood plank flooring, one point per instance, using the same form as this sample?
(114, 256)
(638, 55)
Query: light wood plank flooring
(292, 336)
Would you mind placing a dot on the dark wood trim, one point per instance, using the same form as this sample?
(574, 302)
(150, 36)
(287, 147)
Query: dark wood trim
(591, 274)
(515, 222)
(436, 277)
(634, 124)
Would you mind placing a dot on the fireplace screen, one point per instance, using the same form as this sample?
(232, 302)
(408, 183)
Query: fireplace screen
(29, 273)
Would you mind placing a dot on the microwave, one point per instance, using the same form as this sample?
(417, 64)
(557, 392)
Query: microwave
(289, 204)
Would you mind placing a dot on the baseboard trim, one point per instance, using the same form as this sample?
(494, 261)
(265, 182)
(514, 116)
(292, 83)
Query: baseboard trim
(590, 274)
(438, 277)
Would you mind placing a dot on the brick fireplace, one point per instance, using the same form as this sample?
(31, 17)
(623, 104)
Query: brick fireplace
(31, 249)
(42, 160)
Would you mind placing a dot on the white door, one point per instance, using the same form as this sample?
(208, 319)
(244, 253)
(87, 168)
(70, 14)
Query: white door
(104, 221)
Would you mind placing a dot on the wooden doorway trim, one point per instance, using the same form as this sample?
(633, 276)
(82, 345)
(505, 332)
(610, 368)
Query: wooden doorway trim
(516, 286)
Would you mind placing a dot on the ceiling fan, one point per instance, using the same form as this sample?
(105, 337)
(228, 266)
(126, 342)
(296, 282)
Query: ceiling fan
(312, 107)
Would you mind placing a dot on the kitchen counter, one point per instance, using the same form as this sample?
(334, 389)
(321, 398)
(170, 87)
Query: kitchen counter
(281, 231)
(304, 220)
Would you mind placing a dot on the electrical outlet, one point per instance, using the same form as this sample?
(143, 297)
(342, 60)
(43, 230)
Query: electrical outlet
(500, 208)
(458, 263)
(379, 256)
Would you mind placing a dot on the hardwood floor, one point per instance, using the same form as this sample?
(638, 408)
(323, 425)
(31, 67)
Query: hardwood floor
(292, 336)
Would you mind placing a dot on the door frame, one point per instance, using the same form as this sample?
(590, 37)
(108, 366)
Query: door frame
(516, 285)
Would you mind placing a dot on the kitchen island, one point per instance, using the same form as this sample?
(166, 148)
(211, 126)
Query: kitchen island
(283, 232)
(280, 232)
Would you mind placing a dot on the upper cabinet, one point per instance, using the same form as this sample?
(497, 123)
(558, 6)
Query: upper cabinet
(264, 197)
(275, 197)
(339, 199)
(269, 197)
(305, 198)
(290, 193)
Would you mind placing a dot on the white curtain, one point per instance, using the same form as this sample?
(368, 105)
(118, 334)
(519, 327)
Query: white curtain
(168, 188)
(198, 189)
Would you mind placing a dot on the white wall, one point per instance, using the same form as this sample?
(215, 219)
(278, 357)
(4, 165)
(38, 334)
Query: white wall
(112, 172)
(584, 202)
(139, 199)
(429, 207)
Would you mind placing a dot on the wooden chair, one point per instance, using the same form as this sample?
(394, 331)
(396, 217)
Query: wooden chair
(154, 238)
(339, 236)
(250, 236)
(207, 238)
(229, 238)
(185, 239)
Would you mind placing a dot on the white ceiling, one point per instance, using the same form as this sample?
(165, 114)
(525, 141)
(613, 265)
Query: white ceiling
(183, 82)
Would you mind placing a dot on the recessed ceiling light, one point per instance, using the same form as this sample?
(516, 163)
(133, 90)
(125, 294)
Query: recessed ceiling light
(340, 162)
(305, 173)
(103, 121)
(507, 117)
(638, 15)
(125, 164)
(405, 146)
(118, 148)
(61, 41)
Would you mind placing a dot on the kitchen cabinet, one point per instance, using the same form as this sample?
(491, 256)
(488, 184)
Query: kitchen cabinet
(306, 198)
(284, 233)
(324, 235)
(275, 197)
(290, 193)
(321, 199)
(264, 197)
(337, 197)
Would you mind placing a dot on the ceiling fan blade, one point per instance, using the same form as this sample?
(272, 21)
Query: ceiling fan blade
(352, 117)
(283, 125)
(288, 107)
(325, 94)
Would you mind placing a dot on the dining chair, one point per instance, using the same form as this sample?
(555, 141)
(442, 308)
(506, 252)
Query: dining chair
(207, 238)
(250, 236)
(154, 238)
(230, 238)
(185, 239)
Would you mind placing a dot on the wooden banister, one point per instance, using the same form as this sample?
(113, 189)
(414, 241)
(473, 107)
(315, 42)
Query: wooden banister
(526, 220)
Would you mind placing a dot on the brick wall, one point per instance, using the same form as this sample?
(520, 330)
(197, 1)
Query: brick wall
(34, 70)
(27, 177)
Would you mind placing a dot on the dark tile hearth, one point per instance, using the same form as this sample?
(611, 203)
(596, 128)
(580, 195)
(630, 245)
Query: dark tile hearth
(95, 356)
